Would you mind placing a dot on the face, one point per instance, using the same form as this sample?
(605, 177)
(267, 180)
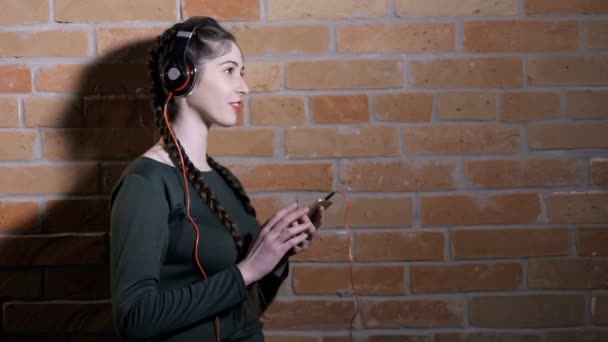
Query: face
(220, 89)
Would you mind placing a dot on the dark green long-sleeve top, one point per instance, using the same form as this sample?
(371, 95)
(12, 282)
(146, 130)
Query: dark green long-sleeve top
(157, 291)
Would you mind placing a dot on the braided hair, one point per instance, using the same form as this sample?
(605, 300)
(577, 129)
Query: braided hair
(209, 41)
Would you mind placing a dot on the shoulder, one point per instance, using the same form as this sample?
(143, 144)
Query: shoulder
(144, 173)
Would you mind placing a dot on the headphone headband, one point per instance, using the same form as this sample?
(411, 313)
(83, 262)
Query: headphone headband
(178, 75)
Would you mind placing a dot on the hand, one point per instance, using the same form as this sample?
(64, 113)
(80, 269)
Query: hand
(276, 238)
(317, 220)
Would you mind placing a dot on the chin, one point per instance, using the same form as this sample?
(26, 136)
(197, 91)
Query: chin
(227, 121)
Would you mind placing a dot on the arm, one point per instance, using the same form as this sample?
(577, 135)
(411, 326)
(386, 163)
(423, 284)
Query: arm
(139, 236)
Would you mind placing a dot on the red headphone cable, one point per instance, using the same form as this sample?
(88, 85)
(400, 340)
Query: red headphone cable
(350, 262)
(196, 229)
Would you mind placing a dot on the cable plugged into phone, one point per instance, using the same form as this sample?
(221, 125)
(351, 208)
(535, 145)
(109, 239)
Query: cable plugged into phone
(326, 203)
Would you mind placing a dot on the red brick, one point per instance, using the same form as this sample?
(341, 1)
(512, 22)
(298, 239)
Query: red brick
(510, 243)
(323, 142)
(78, 178)
(404, 107)
(19, 12)
(369, 280)
(264, 76)
(503, 72)
(529, 106)
(466, 277)
(132, 43)
(283, 176)
(399, 175)
(308, 314)
(9, 112)
(17, 145)
(77, 283)
(567, 136)
(580, 70)
(344, 74)
(460, 139)
(579, 336)
(223, 10)
(527, 311)
(599, 172)
(458, 210)
(106, 78)
(567, 274)
(265, 207)
(375, 38)
(21, 284)
(278, 110)
(48, 43)
(251, 142)
(592, 241)
(370, 212)
(566, 7)
(578, 208)
(286, 338)
(56, 111)
(77, 215)
(281, 40)
(83, 316)
(413, 313)
(467, 106)
(319, 9)
(449, 8)
(506, 173)
(325, 247)
(19, 217)
(597, 31)
(587, 104)
(117, 112)
(487, 336)
(38, 250)
(379, 338)
(96, 143)
(114, 10)
(520, 36)
(400, 246)
(345, 109)
(15, 78)
(599, 310)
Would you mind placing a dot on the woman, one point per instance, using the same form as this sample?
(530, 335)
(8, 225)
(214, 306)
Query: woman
(191, 263)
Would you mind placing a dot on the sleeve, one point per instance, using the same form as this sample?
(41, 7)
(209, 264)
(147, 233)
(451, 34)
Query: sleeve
(140, 308)
(269, 287)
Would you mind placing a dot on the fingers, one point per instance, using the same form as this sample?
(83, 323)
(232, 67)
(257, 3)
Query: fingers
(290, 217)
(295, 230)
(294, 241)
(280, 215)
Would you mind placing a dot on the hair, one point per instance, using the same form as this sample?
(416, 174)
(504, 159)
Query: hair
(209, 41)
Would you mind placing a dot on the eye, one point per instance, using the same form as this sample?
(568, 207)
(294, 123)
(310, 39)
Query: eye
(229, 70)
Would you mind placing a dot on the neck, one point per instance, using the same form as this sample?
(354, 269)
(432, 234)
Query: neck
(193, 132)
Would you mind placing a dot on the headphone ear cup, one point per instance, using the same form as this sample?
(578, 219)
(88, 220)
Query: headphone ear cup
(179, 78)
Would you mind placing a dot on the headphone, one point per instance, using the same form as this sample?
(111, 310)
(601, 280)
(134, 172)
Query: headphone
(178, 76)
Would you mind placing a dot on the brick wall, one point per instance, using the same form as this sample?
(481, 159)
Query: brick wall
(471, 136)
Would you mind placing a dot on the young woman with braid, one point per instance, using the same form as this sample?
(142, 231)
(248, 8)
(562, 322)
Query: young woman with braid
(169, 280)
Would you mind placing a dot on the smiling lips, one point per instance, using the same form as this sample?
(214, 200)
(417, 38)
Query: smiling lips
(236, 105)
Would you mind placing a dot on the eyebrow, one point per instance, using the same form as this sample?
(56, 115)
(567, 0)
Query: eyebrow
(232, 62)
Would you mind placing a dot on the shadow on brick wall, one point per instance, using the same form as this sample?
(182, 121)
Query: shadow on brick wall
(55, 283)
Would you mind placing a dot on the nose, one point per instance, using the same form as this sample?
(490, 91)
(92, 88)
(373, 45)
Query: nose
(242, 86)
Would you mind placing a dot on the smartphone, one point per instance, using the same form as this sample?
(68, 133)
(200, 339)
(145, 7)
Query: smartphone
(321, 202)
